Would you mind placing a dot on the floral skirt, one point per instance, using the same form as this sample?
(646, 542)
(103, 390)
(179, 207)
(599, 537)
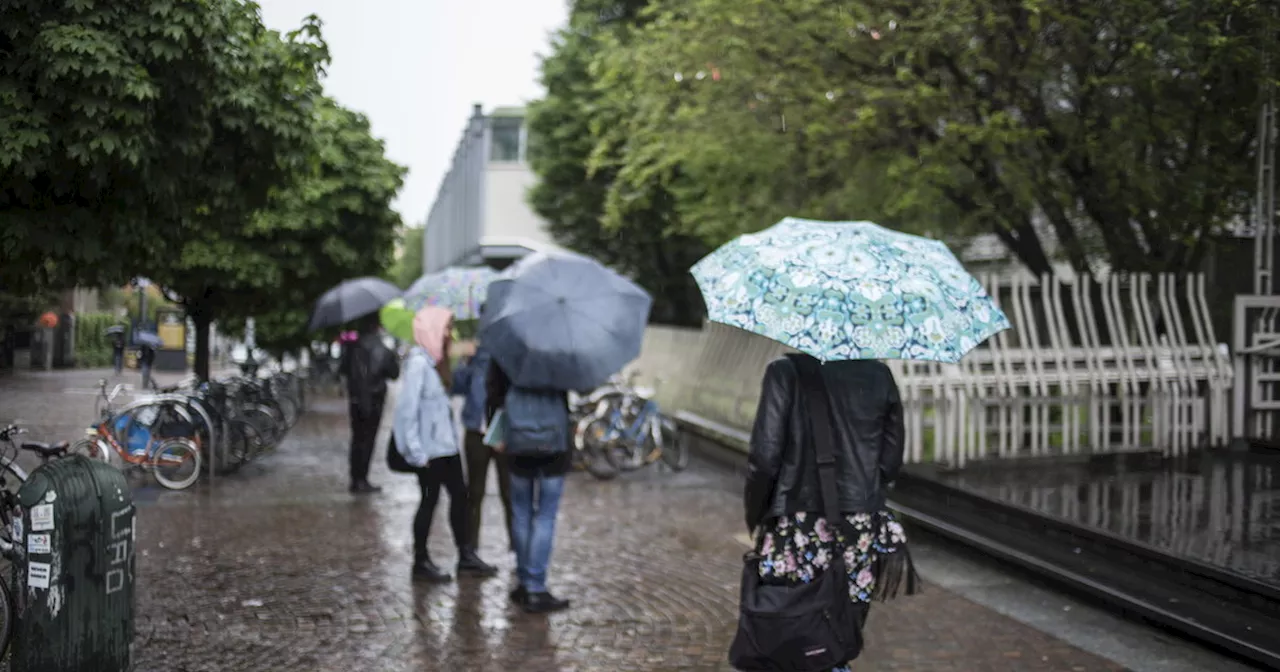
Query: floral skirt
(797, 548)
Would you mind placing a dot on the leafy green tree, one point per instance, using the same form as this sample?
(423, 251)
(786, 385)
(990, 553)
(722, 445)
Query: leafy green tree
(408, 266)
(222, 262)
(332, 222)
(126, 127)
(1122, 128)
(576, 169)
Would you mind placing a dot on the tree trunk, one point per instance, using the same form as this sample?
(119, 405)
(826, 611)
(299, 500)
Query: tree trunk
(202, 319)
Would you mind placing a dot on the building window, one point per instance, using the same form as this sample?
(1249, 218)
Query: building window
(505, 143)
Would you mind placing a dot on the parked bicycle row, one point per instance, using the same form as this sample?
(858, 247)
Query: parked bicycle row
(182, 431)
(620, 428)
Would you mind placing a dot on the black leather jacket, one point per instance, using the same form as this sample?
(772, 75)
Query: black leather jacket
(383, 366)
(866, 427)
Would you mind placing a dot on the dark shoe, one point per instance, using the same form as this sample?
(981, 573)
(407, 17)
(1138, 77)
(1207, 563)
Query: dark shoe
(519, 595)
(365, 488)
(544, 603)
(470, 563)
(425, 570)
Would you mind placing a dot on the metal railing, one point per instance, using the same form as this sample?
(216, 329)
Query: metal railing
(1114, 364)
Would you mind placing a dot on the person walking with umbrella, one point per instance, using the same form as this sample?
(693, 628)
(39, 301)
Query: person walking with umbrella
(553, 322)
(367, 364)
(537, 463)
(148, 342)
(827, 442)
(116, 334)
(425, 436)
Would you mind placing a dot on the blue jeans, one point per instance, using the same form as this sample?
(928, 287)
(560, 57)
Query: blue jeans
(533, 528)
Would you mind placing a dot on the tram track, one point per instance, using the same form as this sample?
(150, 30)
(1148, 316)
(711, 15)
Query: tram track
(1229, 612)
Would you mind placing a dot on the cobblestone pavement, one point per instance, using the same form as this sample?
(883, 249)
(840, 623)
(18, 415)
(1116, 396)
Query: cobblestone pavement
(278, 569)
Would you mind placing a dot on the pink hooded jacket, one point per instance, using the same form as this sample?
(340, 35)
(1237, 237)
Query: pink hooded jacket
(430, 327)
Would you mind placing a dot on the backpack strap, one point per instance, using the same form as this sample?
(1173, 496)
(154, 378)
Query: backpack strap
(815, 392)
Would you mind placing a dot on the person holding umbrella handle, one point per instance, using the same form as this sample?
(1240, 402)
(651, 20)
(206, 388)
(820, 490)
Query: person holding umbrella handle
(367, 364)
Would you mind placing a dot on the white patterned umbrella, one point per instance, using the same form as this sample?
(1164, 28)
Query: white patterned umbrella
(849, 290)
(461, 290)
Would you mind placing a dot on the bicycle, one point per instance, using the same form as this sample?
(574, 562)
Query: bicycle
(632, 433)
(158, 453)
(12, 477)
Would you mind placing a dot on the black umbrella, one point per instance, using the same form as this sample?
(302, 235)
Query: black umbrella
(351, 300)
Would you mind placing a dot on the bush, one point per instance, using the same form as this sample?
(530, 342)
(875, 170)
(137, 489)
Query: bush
(93, 346)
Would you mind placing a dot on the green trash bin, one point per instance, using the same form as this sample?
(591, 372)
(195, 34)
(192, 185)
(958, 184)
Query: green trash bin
(74, 589)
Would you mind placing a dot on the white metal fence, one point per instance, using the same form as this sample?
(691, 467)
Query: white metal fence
(1123, 363)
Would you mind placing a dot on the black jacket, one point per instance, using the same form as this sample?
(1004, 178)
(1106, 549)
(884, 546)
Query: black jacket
(866, 426)
(367, 385)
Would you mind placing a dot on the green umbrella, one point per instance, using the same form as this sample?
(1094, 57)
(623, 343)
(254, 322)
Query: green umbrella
(397, 319)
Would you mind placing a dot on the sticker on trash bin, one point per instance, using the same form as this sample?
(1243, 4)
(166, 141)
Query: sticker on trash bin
(38, 574)
(39, 543)
(42, 518)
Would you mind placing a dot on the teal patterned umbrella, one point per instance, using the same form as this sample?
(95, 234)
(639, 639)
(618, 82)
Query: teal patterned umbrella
(461, 290)
(849, 290)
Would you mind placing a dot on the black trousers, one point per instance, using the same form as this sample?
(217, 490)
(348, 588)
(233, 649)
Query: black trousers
(364, 434)
(478, 458)
(446, 473)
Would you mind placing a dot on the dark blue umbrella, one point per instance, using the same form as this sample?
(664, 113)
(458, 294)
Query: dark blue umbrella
(563, 321)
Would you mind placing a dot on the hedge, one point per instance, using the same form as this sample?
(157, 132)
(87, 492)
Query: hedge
(93, 345)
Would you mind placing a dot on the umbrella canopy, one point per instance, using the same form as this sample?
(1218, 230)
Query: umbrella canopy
(147, 338)
(397, 319)
(351, 300)
(563, 321)
(114, 329)
(849, 290)
(461, 290)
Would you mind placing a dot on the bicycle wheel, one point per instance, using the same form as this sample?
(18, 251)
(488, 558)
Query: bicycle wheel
(8, 616)
(268, 427)
(176, 463)
(588, 440)
(91, 448)
(289, 410)
(246, 442)
(675, 454)
(625, 455)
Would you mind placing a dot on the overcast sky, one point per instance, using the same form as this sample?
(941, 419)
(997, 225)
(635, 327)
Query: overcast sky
(415, 67)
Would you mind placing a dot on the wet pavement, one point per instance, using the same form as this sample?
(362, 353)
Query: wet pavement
(1216, 507)
(278, 568)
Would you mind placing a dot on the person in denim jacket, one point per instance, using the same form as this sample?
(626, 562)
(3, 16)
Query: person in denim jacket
(426, 437)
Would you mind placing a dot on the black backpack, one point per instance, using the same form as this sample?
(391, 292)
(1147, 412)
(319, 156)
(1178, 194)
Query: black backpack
(809, 627)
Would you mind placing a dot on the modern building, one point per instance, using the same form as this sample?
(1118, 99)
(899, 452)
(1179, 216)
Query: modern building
(480, 215)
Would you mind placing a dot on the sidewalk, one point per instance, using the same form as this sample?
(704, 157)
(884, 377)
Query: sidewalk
(278, 569)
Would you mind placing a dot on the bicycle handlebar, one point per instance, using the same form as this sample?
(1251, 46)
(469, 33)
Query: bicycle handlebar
(10, 432)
